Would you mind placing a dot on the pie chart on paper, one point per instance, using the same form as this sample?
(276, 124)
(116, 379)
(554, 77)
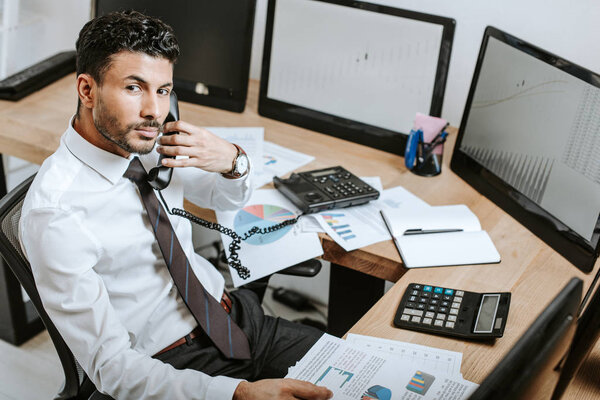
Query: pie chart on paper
(262, 216)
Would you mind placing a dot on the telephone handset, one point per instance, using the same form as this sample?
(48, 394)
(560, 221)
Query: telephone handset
(159, 178)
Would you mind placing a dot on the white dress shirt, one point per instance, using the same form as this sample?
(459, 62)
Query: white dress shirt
(100, 273)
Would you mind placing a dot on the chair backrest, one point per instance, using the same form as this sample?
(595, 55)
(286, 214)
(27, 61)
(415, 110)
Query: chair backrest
(10, 249)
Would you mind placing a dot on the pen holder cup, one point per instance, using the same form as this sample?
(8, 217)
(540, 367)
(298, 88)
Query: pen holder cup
(431, 166)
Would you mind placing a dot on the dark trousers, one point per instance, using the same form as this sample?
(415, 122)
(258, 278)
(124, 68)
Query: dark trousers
(275, 344)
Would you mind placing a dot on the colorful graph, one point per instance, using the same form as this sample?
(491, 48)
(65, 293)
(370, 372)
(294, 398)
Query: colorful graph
(269, 160)
(377, 392)
(420, 382)
(262, 216)
(342, 229)
(334, 377)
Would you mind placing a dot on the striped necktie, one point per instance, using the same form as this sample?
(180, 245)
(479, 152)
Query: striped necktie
(224, 333)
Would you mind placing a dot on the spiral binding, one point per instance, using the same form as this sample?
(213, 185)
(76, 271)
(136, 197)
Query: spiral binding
(233, 259)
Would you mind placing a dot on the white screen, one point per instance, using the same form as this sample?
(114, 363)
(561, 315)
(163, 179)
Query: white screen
(369, 67)
(538, 129)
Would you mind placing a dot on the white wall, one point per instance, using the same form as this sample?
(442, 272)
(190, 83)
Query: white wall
(570, 29)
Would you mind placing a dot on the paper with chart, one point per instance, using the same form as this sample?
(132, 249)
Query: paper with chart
(356, 227)
(429, 358)
(277, 161)
(353, 373)
(250, 139)
(271, 252)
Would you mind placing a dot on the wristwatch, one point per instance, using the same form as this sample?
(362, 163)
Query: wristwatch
(241, 164)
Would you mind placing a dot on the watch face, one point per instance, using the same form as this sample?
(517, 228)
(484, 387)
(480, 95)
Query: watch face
(242, 164)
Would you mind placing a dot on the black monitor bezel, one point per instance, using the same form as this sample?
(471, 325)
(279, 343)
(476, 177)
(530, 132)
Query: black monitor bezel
(224, 98)
(369, 135)
(533, 350)
(560, 237)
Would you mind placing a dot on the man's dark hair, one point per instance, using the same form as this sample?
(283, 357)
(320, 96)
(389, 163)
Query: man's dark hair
(104, 36)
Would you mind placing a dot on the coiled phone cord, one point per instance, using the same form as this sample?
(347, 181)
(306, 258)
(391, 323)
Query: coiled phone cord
(233, 259)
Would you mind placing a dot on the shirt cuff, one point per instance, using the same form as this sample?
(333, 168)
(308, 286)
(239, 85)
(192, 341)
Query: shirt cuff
(222, 387)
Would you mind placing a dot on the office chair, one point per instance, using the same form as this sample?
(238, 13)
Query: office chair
(76, 385)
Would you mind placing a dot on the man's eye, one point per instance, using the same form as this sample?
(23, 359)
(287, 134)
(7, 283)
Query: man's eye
(133, 88)
(164, 92)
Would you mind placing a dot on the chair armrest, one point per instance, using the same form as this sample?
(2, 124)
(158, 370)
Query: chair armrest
(308, 268)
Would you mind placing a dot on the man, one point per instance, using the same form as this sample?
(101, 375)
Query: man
(96, 259)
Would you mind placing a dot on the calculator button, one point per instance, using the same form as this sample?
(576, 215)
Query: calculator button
(457, 299)
(452, 318)
(460, 293)
(411, 304)
(422, 300)
(415, 319)
(427, 321)
(418, 313)
(438, 290)
(447, 298)
(444, 304)
(425, 294)
(449, 292)
(417, 286)
(441, 316)
(434, 302)
(455, 305)
(431, 308)
(427, 289)
(412, 298)
(421, 306)
(443, 309)
(436, 296)
(454, 311)
(438, 322)
(405, 317)
(450, 325)
(429, 314)
(415, 292)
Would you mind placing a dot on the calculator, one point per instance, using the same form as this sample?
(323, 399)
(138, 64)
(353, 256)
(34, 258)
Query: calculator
(452, 312)
(325, 189)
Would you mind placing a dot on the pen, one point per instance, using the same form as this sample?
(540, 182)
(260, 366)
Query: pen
(391, 234)
(426, 231)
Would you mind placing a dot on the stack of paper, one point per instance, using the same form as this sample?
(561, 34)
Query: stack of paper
(370, 368)
(436, 236)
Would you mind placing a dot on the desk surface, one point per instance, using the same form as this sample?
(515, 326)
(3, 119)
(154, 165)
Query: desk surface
(532, 271)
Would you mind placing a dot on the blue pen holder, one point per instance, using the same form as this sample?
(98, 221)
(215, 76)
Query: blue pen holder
(420, 157)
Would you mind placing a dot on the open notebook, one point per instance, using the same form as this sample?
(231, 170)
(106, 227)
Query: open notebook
(459, 240)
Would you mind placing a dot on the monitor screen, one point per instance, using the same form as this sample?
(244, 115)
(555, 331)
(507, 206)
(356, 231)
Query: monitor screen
(355, 70)
(215, 40)
(530, 136)
(529, 367)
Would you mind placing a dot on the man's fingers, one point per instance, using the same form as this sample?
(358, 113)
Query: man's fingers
(176, 140)
(175, 150)
(175, 163)
(307, 390)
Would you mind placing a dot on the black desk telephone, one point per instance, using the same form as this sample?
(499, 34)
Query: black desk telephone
(159, 178)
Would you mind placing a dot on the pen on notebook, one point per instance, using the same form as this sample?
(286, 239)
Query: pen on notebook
(389, 229)
(426, 231)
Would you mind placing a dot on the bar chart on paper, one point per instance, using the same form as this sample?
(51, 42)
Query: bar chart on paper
(336, 222)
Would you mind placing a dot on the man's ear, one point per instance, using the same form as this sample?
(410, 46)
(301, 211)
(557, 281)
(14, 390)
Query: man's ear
(86, 89)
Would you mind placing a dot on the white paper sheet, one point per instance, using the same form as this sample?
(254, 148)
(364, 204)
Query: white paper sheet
(359, 226)
(352, 373)
(429, 358)
(269, 253)
(277, 161)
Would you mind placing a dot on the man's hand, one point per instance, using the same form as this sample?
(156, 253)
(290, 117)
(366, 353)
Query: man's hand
(206, 150)
(281, 389)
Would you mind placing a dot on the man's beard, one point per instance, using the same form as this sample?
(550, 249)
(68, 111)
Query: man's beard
(108, 126)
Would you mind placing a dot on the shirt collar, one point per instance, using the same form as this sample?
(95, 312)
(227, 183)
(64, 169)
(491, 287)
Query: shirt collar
(107, 164)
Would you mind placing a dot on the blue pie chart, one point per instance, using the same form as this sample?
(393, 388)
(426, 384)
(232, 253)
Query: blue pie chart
(262, 216)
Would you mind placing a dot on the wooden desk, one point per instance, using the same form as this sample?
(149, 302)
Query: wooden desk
(532, 271)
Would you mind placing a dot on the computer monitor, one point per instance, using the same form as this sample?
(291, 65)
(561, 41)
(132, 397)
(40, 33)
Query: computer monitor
(529, 366)
(215, 39)
(530, 141)
(355, 70)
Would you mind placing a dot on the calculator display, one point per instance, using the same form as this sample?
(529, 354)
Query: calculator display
(323, 173)
(487, 313)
